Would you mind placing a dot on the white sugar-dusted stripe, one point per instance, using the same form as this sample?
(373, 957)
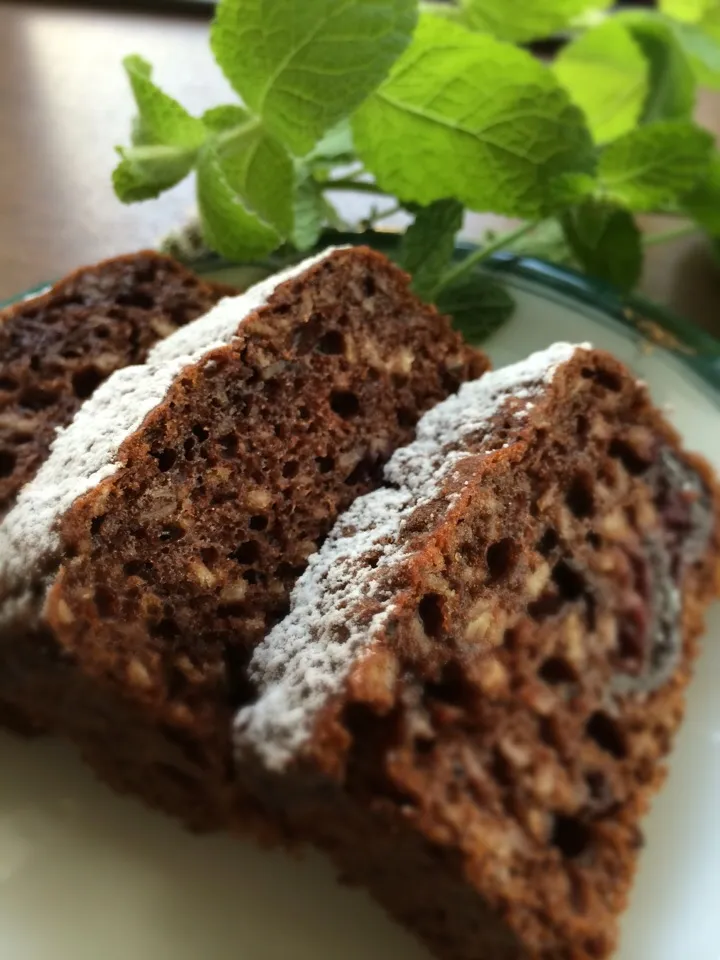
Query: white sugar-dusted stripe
(85, 453)
(305, 659)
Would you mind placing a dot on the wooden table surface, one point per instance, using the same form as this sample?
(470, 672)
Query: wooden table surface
(64, 104)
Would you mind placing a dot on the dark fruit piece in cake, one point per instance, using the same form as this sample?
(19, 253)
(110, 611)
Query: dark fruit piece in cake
(469, 704)
(164, 534)
(57, 348)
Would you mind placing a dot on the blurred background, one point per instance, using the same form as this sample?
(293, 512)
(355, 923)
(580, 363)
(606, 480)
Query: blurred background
(64, 104)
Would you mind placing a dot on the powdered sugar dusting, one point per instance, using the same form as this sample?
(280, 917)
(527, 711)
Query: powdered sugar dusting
(86, 452)
(306, 658)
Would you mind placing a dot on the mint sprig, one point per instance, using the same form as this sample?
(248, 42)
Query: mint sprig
(434, 109)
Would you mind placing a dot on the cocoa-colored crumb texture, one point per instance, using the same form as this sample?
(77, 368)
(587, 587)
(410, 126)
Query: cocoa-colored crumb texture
(177, 565)
(56, 349)
(492, 801)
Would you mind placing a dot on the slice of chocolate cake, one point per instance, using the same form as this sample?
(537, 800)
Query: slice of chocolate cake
(56, 348)
(163, 535)
(469, 703)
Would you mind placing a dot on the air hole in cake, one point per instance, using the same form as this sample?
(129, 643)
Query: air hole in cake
(189, 448)
(252, 577)
(280, 431)
(231, 610)
(209, 556)
(138, 568)
(7, 463)
(547, 605)
(362, 472)
(35, 398)
(325, 464)
(571, 836)
(21, 438)
(501, 558)
(501, 770)
(229, 445)
(424, 746)
(344, 404)
(369, 287)
(35, 362)
(582, 427)
(331, 343)
(451, 687)
(166, 629)
(242, 690)
(600, 792)
(246, 553)
(607, 735)
(548, 542)
(579, 496)
(430, 611)
(96, 524)
(86, 381)
(633, 462)
(631, 637)
(171, 533)
(557, 670)
(406, 418)
(569, 581)
(604, 378)
(135, 298)
(549, 732)
(200, 432)
(166, 460)
(258, 522)
(596, 947)
(594, 539)
(7, 384)
(291, 469)
(105, 602)
(303, 413)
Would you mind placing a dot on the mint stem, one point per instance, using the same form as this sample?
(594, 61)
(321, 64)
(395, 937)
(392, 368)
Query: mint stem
(227, 137)
(483, 253)
(345, 183)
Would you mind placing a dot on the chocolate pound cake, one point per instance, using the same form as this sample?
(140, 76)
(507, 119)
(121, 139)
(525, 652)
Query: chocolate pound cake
(162, 537)
(469, 703)
(57, 348)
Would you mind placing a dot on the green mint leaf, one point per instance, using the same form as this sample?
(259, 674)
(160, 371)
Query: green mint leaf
(310, 214)
(259, 169)
(229, 225)
(654, 165)
(607, 76)
(226, 117)
(462, 115)
(701, 43)
(689, 11)
(161, 119)
(336, 146)
(606, 241)
(428, 244)
(303, 65)
(703, 202)
(478, 304)
(672, 83)
(145, 172)
(524, 20)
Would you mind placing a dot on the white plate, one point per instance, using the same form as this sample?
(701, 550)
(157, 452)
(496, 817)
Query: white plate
(86, 875)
